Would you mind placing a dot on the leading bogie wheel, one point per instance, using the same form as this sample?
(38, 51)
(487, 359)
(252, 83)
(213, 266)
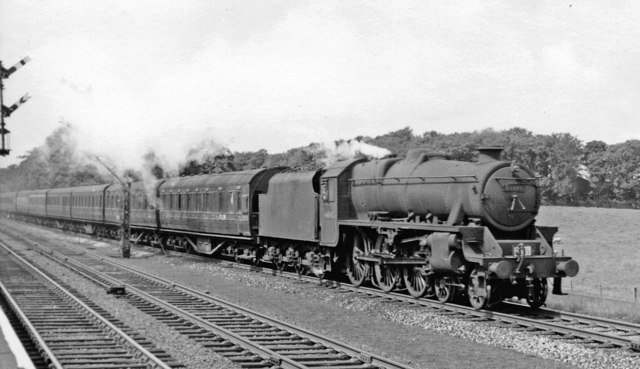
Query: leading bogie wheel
(537, 292)
(445, 292)
(478, 290)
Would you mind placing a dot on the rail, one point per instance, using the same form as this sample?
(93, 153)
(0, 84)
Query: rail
(40, 287)
(271, 339)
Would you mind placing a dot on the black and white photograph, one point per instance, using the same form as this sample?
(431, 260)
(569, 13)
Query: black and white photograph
(218, 184)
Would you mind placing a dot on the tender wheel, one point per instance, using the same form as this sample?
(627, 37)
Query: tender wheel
(155, 241)
(444, 291)
(299, 268)
(418, 284)
(186, 246)
(478, 290)
(537, 292)
(278, 263)
(358, 272)
(387, 277)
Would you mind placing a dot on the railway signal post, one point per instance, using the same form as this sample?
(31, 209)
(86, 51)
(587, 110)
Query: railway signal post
(6, 111)
(126, 207)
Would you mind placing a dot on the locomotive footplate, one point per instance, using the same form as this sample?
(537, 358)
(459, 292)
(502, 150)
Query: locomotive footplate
(389, 260)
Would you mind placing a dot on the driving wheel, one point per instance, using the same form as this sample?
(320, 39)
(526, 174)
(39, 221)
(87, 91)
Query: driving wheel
(386, 276)
(417, 282)
(357, 271)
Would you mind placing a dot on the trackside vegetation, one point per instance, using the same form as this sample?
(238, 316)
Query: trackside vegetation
(560, 161)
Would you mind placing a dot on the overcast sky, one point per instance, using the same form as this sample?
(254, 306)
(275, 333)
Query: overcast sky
(281, 74)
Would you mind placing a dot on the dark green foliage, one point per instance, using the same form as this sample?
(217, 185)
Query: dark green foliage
(251, 160)
(215, 163)
(302, 158)
(54, 164)
(615, 173)
(557, 160)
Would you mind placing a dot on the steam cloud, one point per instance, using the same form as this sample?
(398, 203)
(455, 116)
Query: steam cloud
(350, 149)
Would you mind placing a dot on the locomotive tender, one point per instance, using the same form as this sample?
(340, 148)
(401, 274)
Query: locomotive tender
(430, 225)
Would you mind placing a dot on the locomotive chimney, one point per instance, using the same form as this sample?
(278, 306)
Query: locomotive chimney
(489, 153)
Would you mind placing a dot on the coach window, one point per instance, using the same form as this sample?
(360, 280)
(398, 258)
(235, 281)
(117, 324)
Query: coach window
(215, 202)
(245, 204)
(236, 202)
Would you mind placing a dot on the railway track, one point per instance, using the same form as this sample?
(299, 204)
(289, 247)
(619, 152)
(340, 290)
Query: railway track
(585, 330)
(250, 339)
(67, 331)
(596, 331)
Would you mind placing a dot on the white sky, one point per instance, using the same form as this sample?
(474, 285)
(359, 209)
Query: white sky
(282, 74)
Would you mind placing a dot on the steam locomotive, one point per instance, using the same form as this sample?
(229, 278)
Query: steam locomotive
(425, 224)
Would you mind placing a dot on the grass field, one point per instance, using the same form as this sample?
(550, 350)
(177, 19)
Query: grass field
(606, 244)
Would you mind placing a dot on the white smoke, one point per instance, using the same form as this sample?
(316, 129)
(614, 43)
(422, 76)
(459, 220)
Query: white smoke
(349, 149)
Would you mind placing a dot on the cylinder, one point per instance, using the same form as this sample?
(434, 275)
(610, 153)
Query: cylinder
(503, 269)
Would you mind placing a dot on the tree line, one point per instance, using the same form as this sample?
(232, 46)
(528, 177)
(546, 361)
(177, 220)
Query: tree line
(560, 161)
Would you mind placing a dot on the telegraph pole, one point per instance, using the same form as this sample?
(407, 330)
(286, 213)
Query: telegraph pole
(6, 111)
(126, 209)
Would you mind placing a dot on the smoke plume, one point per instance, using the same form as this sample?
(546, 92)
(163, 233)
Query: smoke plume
(349, 149)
